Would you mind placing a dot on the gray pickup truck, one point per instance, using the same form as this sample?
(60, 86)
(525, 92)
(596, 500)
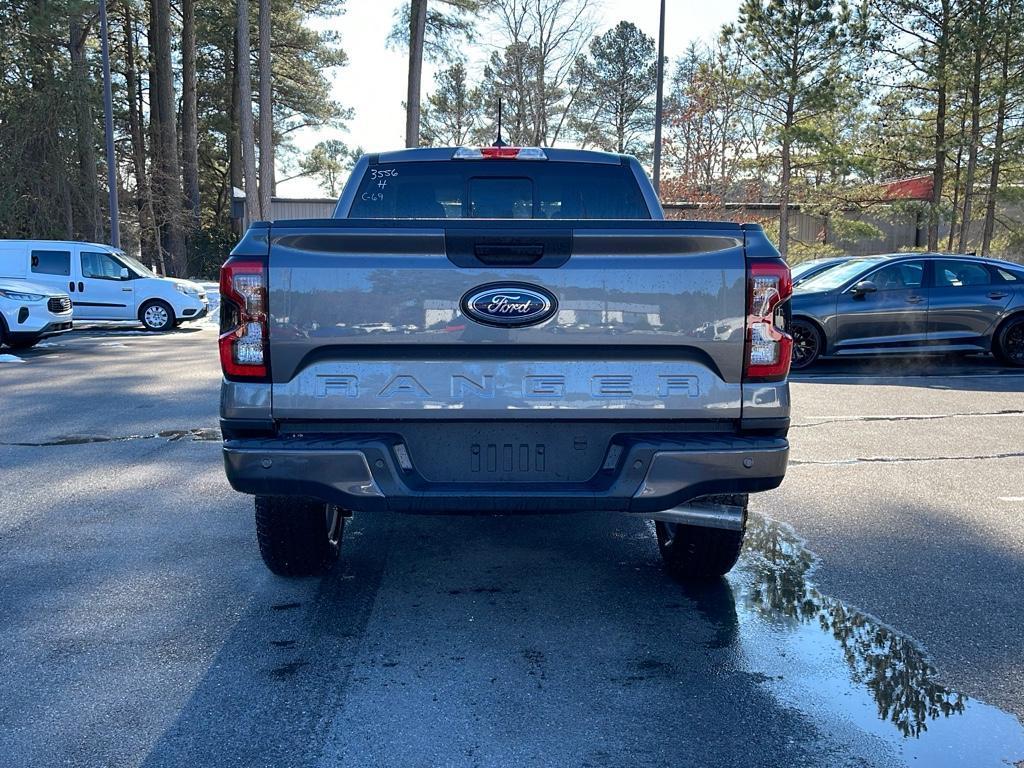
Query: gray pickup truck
(504, 330)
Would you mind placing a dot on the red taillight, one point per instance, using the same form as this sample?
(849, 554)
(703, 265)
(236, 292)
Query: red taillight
(769, 349)
(243, 337)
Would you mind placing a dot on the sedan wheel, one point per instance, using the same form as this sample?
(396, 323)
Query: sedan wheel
(1010, 347)
(807, 344)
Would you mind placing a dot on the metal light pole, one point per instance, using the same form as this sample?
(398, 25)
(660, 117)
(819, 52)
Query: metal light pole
(108, 123)
(658, 104)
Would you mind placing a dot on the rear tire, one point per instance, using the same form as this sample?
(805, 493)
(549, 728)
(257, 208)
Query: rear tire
(1009, 342)
(808, 344)
(157, 316)
(298, 536)
(692, 553)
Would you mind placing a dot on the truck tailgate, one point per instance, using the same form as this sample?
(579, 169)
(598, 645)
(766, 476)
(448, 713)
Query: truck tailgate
(367, 320)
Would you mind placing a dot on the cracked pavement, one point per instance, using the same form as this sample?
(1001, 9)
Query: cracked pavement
(138, 626)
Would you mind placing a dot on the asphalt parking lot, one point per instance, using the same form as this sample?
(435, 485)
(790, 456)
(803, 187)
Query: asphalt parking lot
(874, 618)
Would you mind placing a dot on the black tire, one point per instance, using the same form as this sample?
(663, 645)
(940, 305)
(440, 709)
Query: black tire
(3, 333)
(157, 316)
(692, 553)
(22, 343)
(1009, 342)
(297, 536)
(808, 344)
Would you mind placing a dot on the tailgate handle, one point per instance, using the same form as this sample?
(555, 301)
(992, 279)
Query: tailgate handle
(491, 253)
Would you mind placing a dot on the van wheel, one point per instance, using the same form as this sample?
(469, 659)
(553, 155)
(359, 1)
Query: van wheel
(693, 553)
(298, 536)
(156, 316)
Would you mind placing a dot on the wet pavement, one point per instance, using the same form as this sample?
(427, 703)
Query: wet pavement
(832, 661)
(138, 627)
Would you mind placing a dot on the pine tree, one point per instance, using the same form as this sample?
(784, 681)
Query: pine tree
(798, 54)
(451, 117)
(615, 109)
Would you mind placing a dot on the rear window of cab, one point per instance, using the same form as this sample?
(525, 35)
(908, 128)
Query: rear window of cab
(498, 189)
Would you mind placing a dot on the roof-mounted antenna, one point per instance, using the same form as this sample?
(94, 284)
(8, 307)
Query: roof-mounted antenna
(499, 142)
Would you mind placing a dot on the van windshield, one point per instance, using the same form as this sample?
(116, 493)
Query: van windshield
(499, 189)
(134, 264)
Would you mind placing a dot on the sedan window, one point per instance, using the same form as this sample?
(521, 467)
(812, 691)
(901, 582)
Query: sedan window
(835, 277)
(1008, 277)
(897, 277)
(960, 274)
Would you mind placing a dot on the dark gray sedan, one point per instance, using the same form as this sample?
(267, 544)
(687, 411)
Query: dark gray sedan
(903, 304)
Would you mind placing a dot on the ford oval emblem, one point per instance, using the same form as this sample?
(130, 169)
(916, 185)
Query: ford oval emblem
(509, 305)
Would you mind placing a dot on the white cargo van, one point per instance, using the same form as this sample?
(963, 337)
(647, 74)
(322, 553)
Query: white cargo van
(104, 282)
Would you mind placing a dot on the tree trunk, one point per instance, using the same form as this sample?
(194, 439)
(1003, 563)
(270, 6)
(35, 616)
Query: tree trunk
(620, 123)
(154, 120)
(236, 177)
(957, 168)
(189, 113)
(784, 196)
(938, 172)
(266, 113)
(148, 237)
(417, 31)
(167, 177)
(245, 122)
(997, 147)
(787, 169)
(975, 138)
(89, 223)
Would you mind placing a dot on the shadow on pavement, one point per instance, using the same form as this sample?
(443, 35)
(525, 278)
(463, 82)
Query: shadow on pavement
(975, 372)
(507, 641)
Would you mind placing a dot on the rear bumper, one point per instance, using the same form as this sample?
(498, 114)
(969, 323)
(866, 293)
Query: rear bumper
(643, 474)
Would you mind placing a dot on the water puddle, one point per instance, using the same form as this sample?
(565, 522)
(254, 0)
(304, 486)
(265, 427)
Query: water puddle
(850, 673)
(204, 434)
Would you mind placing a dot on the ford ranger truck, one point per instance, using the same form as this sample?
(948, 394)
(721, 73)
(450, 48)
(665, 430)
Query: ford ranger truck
(504, 330)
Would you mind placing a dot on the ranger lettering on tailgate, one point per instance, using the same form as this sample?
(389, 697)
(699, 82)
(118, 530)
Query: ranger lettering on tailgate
(462, 387)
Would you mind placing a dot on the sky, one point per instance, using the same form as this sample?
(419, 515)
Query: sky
(373, 83)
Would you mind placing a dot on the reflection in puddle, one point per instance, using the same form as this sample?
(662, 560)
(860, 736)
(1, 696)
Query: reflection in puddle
(839, 664)
(891, 666)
